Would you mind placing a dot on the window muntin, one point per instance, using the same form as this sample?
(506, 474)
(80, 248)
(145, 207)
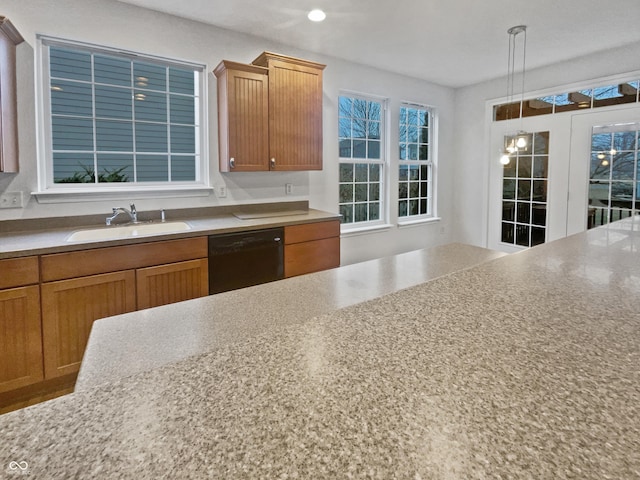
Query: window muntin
(362, 159)
(415, 174)
(133, 119)
(524, 192)
(614, 174)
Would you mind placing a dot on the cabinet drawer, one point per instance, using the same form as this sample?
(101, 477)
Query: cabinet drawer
(311, 231)
(17, 272)
(59, 266)
(314, 256)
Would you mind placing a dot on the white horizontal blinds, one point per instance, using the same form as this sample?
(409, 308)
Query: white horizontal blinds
(71, 113)
(128, 119)
(182, 109)
(414, 187)
(361, 159)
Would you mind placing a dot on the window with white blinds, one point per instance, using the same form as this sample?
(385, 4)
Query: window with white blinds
(120, 118)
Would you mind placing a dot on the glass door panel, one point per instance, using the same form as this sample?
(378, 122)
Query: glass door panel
(528, 197)
(603, 185)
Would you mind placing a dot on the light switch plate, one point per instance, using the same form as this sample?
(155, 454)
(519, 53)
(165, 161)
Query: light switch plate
(11, 200)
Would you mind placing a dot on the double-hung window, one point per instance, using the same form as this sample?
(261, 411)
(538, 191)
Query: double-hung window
(415, 175)
(114, 119)
(362, 159)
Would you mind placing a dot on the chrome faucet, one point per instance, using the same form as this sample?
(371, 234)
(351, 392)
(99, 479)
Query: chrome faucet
(133, 214)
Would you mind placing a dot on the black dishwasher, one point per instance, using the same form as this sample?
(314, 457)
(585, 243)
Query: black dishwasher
(243, 259)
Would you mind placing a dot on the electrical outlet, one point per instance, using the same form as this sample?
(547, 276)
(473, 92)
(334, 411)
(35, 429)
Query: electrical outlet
(222, 191)
(11, 200)
(288, 188)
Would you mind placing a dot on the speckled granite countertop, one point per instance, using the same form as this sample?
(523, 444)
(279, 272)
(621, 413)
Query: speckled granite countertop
(50, 235)
(134, 342)
(523, 367)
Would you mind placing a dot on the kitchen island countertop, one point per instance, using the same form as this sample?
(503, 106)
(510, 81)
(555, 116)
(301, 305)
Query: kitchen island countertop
(525, 366)
(147, 339)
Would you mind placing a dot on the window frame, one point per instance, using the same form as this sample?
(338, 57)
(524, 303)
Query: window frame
(49, 191)
(383, 162)
(431, 164)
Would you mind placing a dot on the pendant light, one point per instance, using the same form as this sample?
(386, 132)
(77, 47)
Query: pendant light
(518, 141)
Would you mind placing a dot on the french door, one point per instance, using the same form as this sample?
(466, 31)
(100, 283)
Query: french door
(527, 197)
(569, 205)
(603, 181)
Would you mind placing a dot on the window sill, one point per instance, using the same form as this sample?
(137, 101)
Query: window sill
(417, 222)
(68, 195)
(365, 230)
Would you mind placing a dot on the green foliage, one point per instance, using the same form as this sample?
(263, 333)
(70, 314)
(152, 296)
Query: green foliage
(88, 176)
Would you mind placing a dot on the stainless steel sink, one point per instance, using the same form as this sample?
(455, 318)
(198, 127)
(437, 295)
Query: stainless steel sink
(128, 231)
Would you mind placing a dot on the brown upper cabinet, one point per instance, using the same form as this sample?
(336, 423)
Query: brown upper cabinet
(270, 114)
(243, 117)
(9, 38)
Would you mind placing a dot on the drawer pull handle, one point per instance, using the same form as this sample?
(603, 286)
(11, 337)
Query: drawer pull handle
(232, 162)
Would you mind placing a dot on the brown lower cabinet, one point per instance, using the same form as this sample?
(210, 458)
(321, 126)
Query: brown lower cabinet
(21, 339)
(48, 304)
(85, 287)
(20, 325)
(311, 247)
(69, 308)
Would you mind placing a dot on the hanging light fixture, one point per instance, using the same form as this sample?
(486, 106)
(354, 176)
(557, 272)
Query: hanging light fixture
(516, 142)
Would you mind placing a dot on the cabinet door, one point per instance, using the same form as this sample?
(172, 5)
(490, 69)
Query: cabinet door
(243, 117)
(295, 116)
(172, 283)
(21, 339)
(69, 308)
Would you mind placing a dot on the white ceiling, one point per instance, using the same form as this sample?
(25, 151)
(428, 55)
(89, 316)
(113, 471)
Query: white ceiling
(449, 42)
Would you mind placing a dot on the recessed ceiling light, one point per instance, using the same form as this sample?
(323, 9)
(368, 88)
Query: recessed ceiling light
(316, 15)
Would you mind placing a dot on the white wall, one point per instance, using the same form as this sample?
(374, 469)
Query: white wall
(111, 23)
(472, 135)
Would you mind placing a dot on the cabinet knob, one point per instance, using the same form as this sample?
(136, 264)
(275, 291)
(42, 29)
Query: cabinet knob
(232, 162)
(273, 163)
